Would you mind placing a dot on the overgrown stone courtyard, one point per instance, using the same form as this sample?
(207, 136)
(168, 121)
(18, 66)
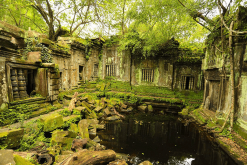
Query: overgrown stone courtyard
(157, 82)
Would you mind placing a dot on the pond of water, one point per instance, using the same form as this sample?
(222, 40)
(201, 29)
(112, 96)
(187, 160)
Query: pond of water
(163, 142)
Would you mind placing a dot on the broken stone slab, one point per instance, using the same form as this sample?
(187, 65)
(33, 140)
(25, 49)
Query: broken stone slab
(52, 122)
(118, 162)
(20, 160)
(80, 109)
(100, 126)
(142, 108)
(11, 138)
(91, 115)
(146, 163)
(112, 118)
(84, 157)
(102, 88)
(6, 157)
(98, 108)
(86, 105)
(150, 108)
(74, 128)
(78, 144)
(71, 119)
(92, 131)
(91, 102)
(83, 99)
(96, 139)
(124, 106)
(63, 138)
(106, 111)
(83, 128)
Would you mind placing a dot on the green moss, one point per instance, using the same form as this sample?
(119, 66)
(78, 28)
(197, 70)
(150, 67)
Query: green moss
(21, 161)
(52, 122)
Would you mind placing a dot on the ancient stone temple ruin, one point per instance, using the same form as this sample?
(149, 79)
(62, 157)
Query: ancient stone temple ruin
(48, 67)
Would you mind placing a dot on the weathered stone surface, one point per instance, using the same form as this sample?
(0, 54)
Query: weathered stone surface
(96, 139)
(80, 108)
(83, 99)
(6, 157)
(92, 131)
(146, 163)
(98, 108)
(113, 118)
(63, 138)
(78, 144)
(106, 111)
(83, 128)
(122, 156)
(118, 162)
(11, 138)
(74, 128)
(86, 105)
(72, 118)
(52, 122)
(142, 108)
(150, 108)
(124, 106)
(34, 57)
(100, 126)
(21, 161)
(85, 157)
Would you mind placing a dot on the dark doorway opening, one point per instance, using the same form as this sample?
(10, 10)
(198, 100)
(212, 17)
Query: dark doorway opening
(81, 72)
(187, 82)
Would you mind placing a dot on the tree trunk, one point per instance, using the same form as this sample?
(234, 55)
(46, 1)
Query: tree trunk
(232, 76)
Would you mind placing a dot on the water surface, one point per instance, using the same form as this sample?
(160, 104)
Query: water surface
(163, 142)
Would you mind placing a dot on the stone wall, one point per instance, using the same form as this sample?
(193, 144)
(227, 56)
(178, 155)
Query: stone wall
(115, 63)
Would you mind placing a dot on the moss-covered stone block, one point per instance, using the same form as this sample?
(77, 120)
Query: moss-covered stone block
(52, 122)
(63, 138)
(86, 105)
(83, 128)
(21, 161)
(11, 138)
(102, 88)
(71, 119)
(184, 112)
(74, 128)
(150, 108)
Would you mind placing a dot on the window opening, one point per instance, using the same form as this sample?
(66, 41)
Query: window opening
(23, 83)
(148, 75)
(110, 70)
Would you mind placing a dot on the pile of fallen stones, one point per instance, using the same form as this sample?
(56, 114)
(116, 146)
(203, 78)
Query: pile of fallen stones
(69, 142)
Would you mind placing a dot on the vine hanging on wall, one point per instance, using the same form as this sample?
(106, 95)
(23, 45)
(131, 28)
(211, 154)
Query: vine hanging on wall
(33, 45)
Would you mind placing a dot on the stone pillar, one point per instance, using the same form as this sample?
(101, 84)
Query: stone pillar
(22, 85)
(14, 83)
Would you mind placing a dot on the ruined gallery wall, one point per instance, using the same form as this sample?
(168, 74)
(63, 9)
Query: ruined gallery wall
(115, 63)
(92, 64)
(217, 92)
(188, 70)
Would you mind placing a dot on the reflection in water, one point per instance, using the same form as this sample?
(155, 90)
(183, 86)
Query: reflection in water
(168, 142)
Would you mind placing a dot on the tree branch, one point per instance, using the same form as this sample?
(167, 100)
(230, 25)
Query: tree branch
(222, 20)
